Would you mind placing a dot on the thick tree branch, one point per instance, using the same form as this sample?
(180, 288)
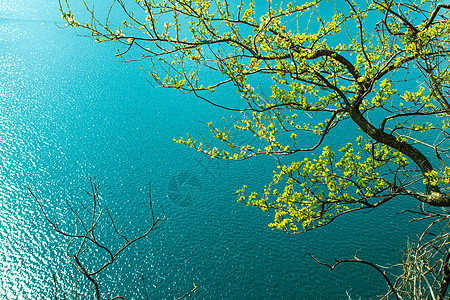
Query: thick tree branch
(433, 195)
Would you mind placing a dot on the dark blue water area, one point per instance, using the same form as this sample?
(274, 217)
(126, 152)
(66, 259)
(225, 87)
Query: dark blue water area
(70, 110)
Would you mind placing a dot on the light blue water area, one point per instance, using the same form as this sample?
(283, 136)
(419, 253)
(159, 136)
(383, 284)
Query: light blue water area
(70, 110)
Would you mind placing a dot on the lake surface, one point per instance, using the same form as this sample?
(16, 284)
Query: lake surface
(70, 110)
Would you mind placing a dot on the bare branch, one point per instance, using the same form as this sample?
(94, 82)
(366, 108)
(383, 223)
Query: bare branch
(358, 260)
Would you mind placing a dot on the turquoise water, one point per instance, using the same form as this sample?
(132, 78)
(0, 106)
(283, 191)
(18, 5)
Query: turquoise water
(69, 110)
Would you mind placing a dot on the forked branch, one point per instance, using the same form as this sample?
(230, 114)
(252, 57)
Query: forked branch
(83, 239)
